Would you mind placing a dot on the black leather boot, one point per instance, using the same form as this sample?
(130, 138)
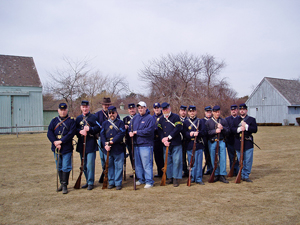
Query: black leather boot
(65, 182)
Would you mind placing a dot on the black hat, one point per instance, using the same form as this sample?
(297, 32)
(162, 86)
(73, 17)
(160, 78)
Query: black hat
(233, 107)
(131, 105)
(183, 107)
(85, 102)
(62, 106)
(216, 108)
(106, 101)
(207, 108)
(156, 104)
(243, 106)
(165, 105)
(112, 109)
(192, 107)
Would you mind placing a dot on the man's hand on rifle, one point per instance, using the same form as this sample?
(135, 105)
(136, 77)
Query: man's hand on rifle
(56, 143)
(107, 147)
(220, 126)
(83, 132)
(218, 130)
(194, 133)
(131, 134)
(86, 128)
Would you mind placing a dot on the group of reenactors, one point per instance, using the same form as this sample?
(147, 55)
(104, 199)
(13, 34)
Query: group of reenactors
(180, 136)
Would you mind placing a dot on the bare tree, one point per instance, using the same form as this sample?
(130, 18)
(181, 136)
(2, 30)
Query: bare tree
(94, 84)
(187, 79)
(68, 83)
(172, 77)
(212, 69)
(117, 85)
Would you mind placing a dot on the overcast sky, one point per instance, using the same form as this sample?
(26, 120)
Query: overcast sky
(256, 38)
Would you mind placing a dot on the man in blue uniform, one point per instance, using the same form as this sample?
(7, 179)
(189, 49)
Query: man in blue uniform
(245, 123)
(230, 139)
(127, 122)
(87, 126)
(61, 131)
(158, 147)
(142, 131)
(183, 117)
(112, 134)
(170, 127)
(102, 116)
(209, 167)
(217, 125)
(193, 128)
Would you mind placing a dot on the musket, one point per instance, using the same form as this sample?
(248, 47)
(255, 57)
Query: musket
(77, 184)
(105, 180)
(212, 176)
(192, 158)
(238, 177)
(72, 154)
(124, 165)
(231, 172)
(57, 167)
(164, 169)
(133, 163)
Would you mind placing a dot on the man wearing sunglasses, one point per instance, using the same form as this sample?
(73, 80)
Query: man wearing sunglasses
(112, 134)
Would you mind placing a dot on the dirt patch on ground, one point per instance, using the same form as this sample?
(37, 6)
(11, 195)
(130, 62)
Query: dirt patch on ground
(28, 184)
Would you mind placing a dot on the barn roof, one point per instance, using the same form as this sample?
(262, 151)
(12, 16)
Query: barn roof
(18, 71)
(290, 89)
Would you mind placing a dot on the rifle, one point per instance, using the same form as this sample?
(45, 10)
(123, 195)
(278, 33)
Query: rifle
(57, 167)
(164, 169)
(238, 177)
(230, 174)
(192, 158)
(77, 184)
(105, 180)
(212, 176)
(133, 163)
(124, 165)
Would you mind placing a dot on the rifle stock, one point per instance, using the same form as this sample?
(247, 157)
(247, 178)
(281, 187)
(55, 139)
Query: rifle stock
(230, 174)
(212, 176)
(192, 158)
(238, 177)
(164, 169)
(78, 182)
(105, 180)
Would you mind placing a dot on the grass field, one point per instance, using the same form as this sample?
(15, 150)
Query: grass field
(28, 184)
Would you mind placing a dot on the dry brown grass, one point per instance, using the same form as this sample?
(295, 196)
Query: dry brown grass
(28, 183)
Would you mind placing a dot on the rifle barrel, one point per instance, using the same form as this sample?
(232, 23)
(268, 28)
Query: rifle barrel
(78, 182)
(105, 180)
(212, 176)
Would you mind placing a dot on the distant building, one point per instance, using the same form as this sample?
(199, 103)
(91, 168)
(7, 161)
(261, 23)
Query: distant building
(275, 101)
(20, 94)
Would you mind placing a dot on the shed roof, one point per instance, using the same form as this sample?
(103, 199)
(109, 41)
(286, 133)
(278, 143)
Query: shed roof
(18, 71)
(290, 89)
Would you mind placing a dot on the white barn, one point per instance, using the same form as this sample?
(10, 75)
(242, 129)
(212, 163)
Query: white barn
(275, 101)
